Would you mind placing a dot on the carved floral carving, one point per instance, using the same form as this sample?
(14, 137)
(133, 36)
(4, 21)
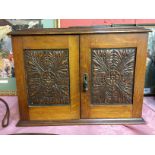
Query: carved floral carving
(47, 74)
(113, 75)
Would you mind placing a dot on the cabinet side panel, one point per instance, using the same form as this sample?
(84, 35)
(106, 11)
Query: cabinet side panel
(140, 74)
(20, 77)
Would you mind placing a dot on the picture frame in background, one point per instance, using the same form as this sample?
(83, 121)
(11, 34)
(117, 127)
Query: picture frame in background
(7, 74)
(149, 89)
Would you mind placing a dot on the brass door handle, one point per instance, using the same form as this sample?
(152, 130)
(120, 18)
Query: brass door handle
(85, 82)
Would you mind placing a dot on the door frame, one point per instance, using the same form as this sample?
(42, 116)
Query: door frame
(54, 112)
(125, 40)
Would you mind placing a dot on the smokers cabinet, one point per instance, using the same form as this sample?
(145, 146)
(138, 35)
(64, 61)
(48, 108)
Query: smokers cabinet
(77, 76)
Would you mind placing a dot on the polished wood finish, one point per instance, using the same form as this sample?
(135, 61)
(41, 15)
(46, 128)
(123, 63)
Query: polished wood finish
(80, 30)
(126, 121)
(71, 111)
(88, 42)
(79, 42)
(140, 75)
(17, 43)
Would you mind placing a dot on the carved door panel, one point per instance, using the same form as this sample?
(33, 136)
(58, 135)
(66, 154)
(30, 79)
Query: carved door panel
(111, 71)
(48, 77)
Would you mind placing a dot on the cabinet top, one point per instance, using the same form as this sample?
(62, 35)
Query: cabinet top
(80, 30)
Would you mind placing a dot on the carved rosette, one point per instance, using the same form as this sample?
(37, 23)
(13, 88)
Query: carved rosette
(112, 75)
(47, 76)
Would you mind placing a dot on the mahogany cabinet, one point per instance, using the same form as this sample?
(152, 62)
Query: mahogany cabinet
(77, 76)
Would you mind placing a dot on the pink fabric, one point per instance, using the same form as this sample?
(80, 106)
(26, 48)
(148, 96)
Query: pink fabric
(146, 129)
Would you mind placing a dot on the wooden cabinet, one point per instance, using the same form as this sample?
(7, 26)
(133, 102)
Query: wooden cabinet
(80, 76)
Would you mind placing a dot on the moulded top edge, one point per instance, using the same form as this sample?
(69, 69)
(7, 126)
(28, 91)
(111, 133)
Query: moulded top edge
(80, 30)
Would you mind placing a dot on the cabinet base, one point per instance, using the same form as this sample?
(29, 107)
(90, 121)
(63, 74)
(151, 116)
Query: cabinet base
(124, 121)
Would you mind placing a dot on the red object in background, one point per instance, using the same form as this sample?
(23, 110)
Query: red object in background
(92, 22)
(145, 21)
(81, 22)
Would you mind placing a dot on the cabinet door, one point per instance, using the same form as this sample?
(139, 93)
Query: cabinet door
(47, 74)
(112, 68)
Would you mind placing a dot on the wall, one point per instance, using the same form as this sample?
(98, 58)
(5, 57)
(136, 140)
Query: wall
(91, 22)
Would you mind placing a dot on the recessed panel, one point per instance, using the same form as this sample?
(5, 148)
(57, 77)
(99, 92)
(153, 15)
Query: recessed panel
(47, 77)
(112, 73)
